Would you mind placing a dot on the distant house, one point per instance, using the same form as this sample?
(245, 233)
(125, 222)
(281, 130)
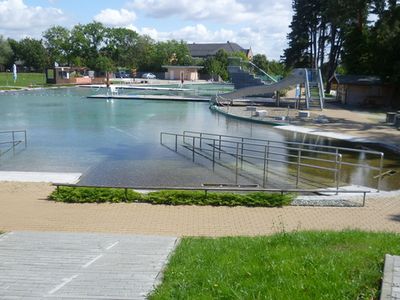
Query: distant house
(361, 90)
(67, 75)
(182, 72)
(207, 50)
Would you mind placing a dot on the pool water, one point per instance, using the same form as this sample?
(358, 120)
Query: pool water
(117, 142)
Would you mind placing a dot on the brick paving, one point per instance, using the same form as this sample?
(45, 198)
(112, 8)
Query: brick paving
(47, 265)
(23, 207)
(391, 278)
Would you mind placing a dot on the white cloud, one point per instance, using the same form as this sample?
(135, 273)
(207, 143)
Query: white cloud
(270, 44)
(265, 23)
(19, 20)
(113, 17)
(227, 11)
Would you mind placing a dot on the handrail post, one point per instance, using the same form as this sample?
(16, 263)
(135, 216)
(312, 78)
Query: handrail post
(26, 142)
(193, 145)
(219, 153)
(176, 143)
(201, 137)
(364, 198)
(380, 171)
(241, 151)
(298, 166)
(336, 168)
(237, 162)
(265, 164)
(339, 173)
(13, 141)
(161, 136)
(213, 155)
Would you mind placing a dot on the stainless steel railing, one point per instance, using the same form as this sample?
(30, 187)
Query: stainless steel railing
(291, 153)
(242, 151)
(11, 139)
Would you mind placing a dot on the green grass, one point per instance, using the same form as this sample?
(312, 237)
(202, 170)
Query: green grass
(300, 265)
(23, 80)
(98, 195)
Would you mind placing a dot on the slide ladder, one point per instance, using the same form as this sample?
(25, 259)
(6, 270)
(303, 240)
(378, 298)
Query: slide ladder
(310, 79)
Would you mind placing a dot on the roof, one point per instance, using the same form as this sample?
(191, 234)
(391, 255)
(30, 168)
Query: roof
(204, 50)
(356, 79)
(182, 67)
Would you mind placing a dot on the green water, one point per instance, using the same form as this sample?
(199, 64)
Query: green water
(118, 141)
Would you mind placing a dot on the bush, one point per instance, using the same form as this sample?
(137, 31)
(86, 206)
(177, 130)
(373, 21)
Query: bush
(93, 195)
(99, 195)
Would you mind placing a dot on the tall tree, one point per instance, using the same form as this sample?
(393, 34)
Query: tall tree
(57, 41)
(6, 52)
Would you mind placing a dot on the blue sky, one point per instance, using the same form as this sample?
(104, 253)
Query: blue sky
(259, 24)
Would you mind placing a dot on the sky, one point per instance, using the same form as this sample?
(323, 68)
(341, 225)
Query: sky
(259, 24)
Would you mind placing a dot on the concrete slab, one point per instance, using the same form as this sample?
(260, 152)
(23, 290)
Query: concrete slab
(53, 265)
(391, 278)
(40, 177)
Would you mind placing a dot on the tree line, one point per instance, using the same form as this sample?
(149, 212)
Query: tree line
(338, 36)
(102, 48)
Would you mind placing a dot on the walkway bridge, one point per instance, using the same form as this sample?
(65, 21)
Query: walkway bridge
(309, 78)
(274, 163)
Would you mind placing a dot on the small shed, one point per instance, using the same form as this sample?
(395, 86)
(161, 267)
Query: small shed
(361, 90)
(189, 73)
(68, 75)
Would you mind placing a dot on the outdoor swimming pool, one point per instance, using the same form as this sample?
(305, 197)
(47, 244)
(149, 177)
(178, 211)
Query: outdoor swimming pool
(117, 142)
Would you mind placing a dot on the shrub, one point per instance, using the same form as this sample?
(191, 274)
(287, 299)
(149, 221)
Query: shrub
(93, 195)
(173, 197)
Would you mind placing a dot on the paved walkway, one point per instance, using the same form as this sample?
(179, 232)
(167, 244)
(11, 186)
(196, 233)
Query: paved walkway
(37, 265)
(346, 123)
(23, 207)
(391, 279)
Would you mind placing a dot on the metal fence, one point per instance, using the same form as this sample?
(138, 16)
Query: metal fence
(10, 139)
(294, 154)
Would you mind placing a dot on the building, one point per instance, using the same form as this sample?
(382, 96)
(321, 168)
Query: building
(189, 73)
(67, 75)
(361, 90)
(207, 50)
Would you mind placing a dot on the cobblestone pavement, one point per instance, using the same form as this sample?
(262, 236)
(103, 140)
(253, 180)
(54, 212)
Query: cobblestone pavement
(391, 278)
(23, 207)
(46, 265)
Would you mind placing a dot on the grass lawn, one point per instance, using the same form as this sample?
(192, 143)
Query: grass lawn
(300, 265)
(23, 80)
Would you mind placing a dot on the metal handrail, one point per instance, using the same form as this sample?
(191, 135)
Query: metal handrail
(334, 148)
(14, 142)
(222, 140)
(206, 188)
(217, 147)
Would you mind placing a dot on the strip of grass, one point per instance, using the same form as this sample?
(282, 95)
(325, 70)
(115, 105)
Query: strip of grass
(98, 195)
(23, 79)
(301, 265)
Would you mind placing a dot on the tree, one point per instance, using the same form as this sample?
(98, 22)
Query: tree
(121, 45)
(32, 53)
(6, 52)
(87, 41)
(57, 41)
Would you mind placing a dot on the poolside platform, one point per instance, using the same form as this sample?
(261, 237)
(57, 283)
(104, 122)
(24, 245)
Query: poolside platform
(150, 97)
(69, 178)
(136, 87)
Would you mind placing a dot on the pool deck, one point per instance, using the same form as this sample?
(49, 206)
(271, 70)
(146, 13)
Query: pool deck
(23, 207)
(149, 97)
(348, 124)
